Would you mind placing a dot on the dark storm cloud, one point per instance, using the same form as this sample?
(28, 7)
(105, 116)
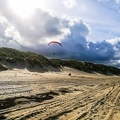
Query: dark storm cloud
(101, 51)
(78, 48)
(75, 46)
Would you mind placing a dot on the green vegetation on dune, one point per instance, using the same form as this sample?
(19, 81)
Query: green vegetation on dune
(15, 56)
(88, 67)
(30, 59)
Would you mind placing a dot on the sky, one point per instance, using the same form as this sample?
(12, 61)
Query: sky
(88, 30)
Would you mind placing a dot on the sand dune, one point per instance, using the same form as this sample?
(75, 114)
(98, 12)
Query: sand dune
(54, 95)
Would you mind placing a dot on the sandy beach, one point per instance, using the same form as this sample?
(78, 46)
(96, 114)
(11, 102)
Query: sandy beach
(26, 95)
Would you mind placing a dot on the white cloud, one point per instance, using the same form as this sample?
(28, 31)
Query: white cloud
(69, 3)
(103, 0)
(38, 29)
(117, 1)
(114, 41)
(6, 40)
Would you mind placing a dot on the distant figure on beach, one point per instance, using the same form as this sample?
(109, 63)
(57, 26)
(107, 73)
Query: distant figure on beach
(69, 74)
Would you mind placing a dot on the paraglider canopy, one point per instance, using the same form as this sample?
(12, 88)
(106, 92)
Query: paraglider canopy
(52, 42)
(53, 48)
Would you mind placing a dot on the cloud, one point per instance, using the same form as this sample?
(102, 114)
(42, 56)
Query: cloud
(103, 0)
(38, 29)
(69, 3)
(35, 32)
(101, 51)
(116, 43)
(8, 42)
(76, 46)
(5, 41)
(117, 1)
